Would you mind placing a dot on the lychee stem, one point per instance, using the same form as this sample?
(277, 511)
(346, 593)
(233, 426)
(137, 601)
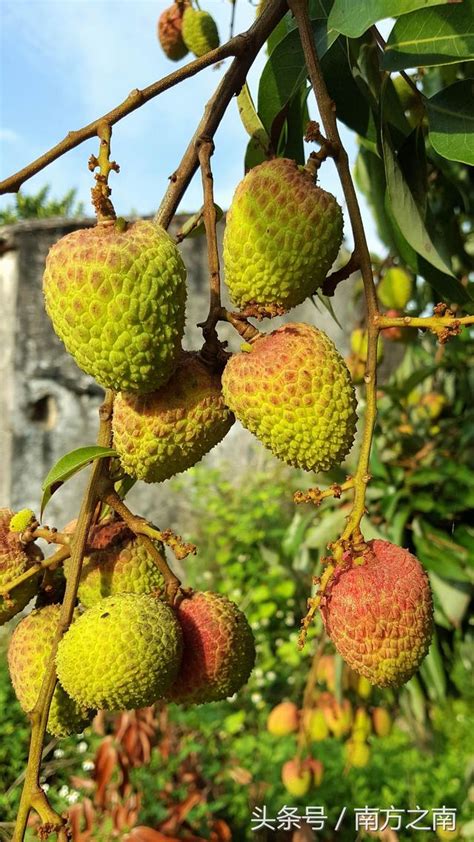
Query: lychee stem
(32, 794)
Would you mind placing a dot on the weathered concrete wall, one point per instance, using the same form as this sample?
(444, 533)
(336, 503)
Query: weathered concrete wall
(48, 406)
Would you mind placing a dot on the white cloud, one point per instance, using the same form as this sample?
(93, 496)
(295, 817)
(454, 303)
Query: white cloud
(9, 136)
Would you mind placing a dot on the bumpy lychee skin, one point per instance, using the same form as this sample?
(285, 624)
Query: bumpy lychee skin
(292, 389)
(169, 32)
(116, 561)
(116, 298)
(166, 432)
(218, 652)
(282, 236)
(15, 559)
(28, 655)
(122, 653)
(199, 31)
(378, 612)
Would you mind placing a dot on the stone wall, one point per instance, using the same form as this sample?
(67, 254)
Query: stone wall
(48, 406)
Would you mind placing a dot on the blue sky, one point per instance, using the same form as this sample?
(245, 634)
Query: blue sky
(66, 62)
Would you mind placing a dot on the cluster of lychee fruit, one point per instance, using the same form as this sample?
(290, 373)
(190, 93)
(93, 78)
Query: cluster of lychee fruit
(327, 718)
(182, 29)
(126, 647)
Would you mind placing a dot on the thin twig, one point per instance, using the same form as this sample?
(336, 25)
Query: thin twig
(334, 279)
(361, 252)
(32, 794)
(205, 152)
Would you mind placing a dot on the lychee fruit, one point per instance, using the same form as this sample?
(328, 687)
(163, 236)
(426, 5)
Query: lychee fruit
(122, 653)
(357, 753)
(317, 768)
(28, 655)
(360, 344)
(283, 719)
(378, 611)
(292, 389)
(362, 725)
(167, 431)
(395, 289)
(199, 31)
(15, 558)
(116, 561)
(282, 235)
(296, 777)
(169, 31)
(338, 716)
(315, 725)
(382, 722)
(116, 297)
(218, 649)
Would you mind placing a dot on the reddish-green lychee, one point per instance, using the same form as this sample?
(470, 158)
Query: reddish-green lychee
(218, 649)
(169, 32)
(315, 725)
(116, 295)
(166, 432)
(282, 235)
(296, 776)
(396, 288)
(122, 653)
(378, 611)
(283, 719)
(292, 389)
(28, 655)
(199, 31)
(116, 561)
(382, 721)
(15, 559)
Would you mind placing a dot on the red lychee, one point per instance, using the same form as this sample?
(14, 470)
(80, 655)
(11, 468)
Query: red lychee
(219, 649)
(169, 29)
(378, 611)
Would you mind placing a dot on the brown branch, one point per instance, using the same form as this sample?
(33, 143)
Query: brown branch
(244, 47)
(251, 41)
(316, 496)
(335, 278)
(205, 149)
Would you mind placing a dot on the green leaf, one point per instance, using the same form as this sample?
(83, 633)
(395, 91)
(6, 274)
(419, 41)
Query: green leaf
(251, 121)
(454, 597)
(353, 19)
(433, 674)
(442, 35)
(67, 466)
(451, 119)
(350, 97)
(405, 210)
(285, 71)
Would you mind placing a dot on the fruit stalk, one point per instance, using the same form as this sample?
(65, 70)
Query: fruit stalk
(32, 794)
(361, 256)
(442, 326)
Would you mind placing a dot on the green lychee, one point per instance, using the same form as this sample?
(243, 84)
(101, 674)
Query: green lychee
(357, 754)
(169, 31)
(15, 558)
(122, 653)
(282, 236)
(199, 31)
(218, 653)
(166, 432)
(296, 777)
(28, 655)
(379, 613)
(283, 719)
(116, 298)
(315, 725)
(362, 725)
(396, 288)
(116, 561)
(292, 389)
(360, 344)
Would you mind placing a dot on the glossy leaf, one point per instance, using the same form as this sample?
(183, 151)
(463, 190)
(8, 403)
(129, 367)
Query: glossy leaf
(69, 465)
(441, 35)
(251, 121)
(353, 19)
(352, 106)
(451, 119)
